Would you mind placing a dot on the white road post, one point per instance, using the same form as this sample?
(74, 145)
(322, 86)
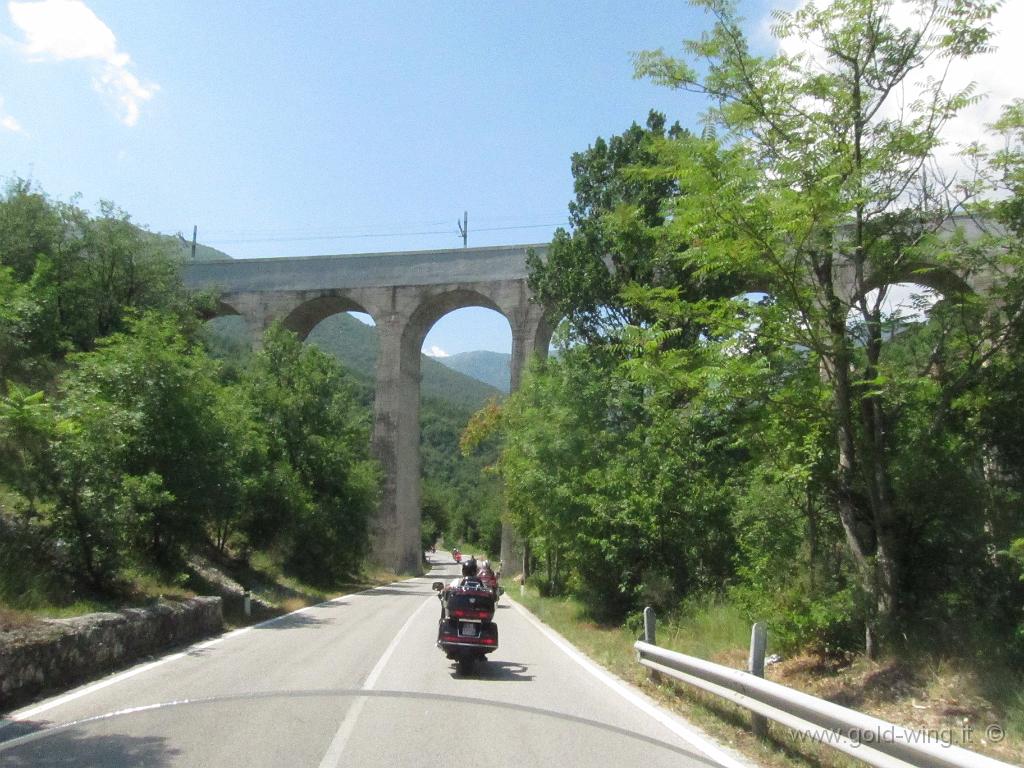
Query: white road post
(649, 637)
(755, 666)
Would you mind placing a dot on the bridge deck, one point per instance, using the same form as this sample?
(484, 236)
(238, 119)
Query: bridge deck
(403, 268)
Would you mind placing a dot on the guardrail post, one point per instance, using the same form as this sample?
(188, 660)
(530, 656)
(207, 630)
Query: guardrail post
(755, 666)
(649, 637)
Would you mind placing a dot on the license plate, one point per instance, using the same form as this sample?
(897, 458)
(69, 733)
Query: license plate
(467, 630)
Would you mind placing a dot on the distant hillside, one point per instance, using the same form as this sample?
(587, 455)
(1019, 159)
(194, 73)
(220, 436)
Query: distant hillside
(494, 368)
(355, 345)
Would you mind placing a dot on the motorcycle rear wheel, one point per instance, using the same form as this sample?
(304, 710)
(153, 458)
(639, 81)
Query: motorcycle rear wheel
(466, 664)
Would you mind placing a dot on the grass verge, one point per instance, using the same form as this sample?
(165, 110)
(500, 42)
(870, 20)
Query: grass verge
(937, 697)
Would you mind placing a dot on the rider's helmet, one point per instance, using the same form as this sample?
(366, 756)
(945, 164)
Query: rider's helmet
(485, 565)
(469, 567)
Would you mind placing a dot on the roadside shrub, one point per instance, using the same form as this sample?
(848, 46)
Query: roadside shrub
(791, 569)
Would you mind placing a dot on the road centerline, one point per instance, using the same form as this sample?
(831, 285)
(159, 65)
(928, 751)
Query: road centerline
(332, 757)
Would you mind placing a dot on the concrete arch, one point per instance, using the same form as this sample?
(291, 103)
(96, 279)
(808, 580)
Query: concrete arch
(396, 438)
(223, 308)
(935, 276)
(305, 316)
(433, 308)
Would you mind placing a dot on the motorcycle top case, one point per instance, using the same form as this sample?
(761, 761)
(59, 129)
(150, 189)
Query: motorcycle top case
(469, 602)
(453, 634)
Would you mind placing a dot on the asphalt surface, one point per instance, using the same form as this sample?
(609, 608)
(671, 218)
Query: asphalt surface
(357, 681)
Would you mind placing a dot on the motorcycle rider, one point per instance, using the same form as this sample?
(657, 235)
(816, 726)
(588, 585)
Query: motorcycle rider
(469, 569)
(469, 574)
(487, 576)
(466, 631)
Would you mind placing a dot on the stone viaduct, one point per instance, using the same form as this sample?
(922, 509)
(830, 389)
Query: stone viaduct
(405, 294)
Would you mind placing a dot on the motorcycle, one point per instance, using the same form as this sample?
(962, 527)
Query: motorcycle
(466, 632)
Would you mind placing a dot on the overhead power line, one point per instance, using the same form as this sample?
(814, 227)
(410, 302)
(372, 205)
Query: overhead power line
(446, 233)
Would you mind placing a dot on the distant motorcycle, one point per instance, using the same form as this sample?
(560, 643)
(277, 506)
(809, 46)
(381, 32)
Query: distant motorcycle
(466, 632)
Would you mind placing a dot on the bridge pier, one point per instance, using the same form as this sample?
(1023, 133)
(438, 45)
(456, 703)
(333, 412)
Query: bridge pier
(395, 531)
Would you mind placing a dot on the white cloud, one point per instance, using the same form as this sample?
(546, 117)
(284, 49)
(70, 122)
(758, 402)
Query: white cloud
(7, 122)
(67, 30)
(11, 124)
(436, 351)
(996, 76)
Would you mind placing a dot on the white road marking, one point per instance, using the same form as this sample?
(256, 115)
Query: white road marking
(26, 714)
(678, 726)
(332, 758)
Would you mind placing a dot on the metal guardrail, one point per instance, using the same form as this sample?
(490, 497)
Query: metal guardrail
(861, 736)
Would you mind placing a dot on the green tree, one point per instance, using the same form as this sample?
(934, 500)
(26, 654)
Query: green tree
(143, 458)
(587, 266)
(22, 341)
(83, 273)
(623, 495)
(30, 226)
(125, 267)
(142, 455)
(26, 427)
(812, 192)
(319, 431)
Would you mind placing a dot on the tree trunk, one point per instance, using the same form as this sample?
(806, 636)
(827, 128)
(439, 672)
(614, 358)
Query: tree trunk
(858, 522)
(84, 543)
(884, 516)
(812, 540)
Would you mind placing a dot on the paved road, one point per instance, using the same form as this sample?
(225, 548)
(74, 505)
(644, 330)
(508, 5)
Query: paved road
(356, 681)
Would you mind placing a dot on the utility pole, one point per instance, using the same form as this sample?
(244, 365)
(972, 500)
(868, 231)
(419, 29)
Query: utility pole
(464, 227)
(195, 229)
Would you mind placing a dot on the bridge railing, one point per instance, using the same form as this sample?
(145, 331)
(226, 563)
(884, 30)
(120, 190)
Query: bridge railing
(865, 738)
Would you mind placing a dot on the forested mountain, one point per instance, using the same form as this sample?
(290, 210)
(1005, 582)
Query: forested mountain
(355, 345)
(494, 368)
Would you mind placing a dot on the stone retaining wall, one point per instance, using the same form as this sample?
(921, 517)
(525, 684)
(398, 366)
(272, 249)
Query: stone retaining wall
(58, 653)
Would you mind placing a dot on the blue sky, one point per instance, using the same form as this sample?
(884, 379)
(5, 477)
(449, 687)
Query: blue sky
(299, 128)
